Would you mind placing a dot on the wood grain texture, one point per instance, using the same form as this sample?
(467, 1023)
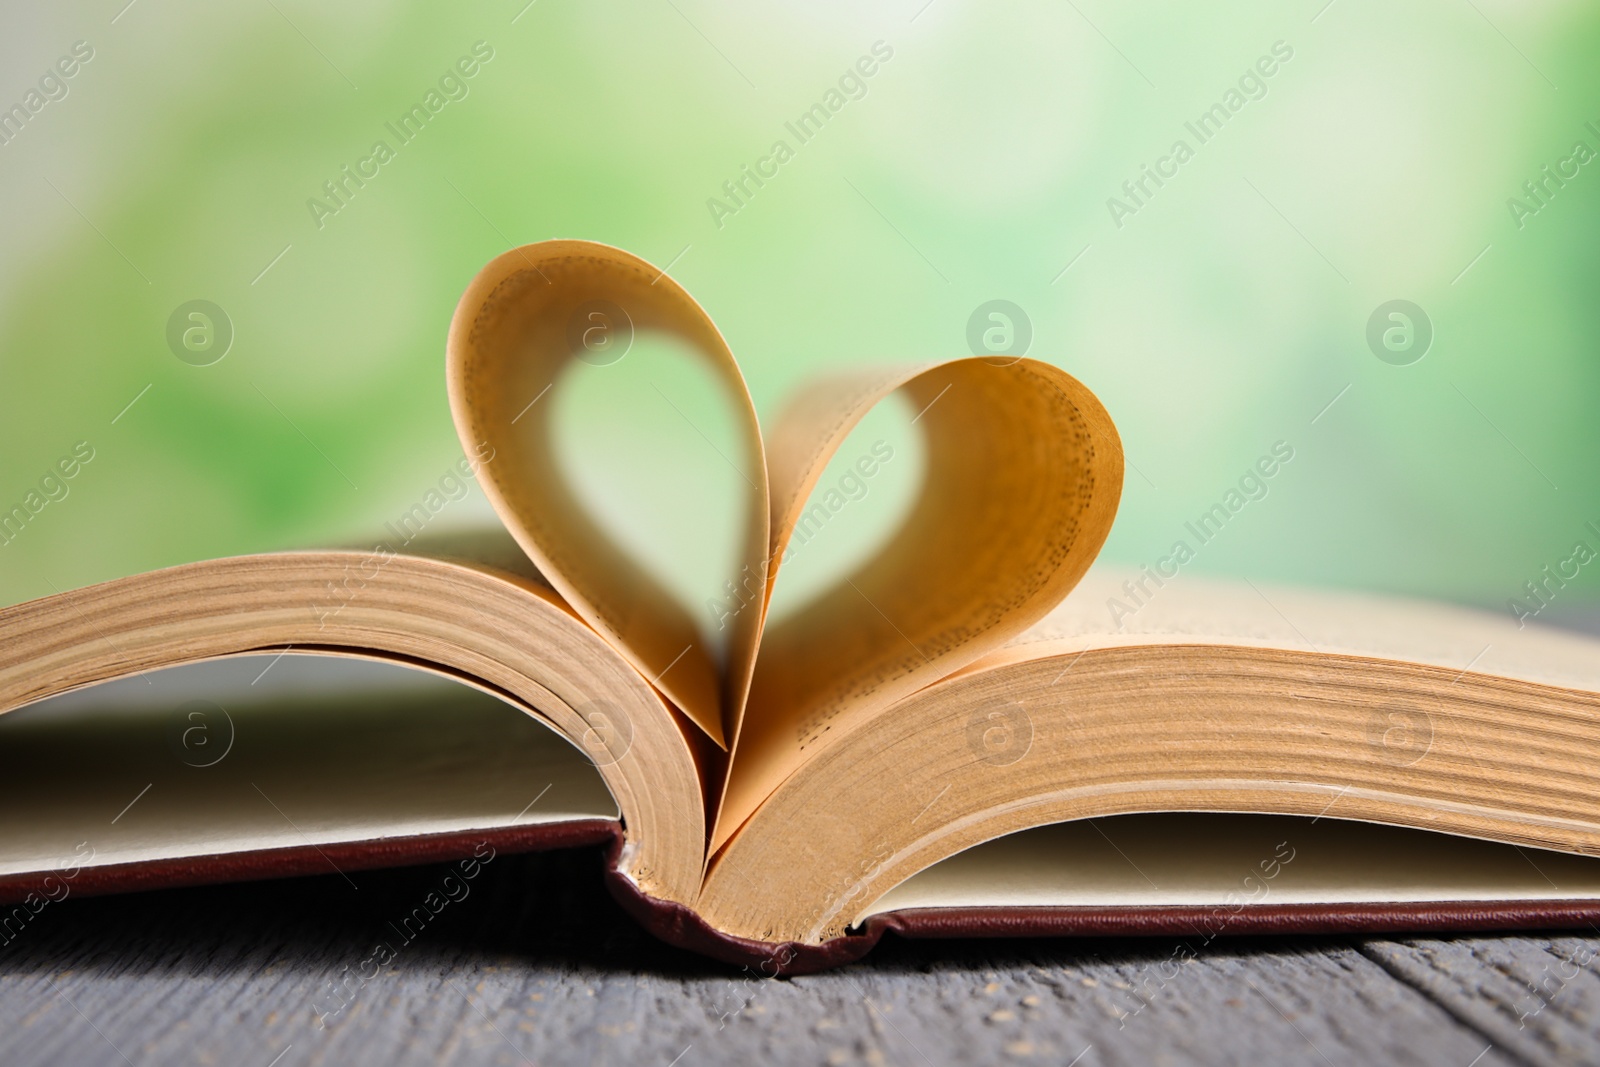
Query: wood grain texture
(1536, 997)
(537, 965)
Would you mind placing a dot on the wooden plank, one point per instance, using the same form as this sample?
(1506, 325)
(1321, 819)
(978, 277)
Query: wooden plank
(537, 965)
(1537, 997)
(1251, 1002)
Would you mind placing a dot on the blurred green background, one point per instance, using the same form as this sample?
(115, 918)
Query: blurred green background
(1222, 316)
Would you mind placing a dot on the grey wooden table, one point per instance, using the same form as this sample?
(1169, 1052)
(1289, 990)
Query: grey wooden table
(538, 965)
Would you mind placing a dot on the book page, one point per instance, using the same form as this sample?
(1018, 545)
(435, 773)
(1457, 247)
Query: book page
(1229, 861)
(266, 751)
(1024, 472)
(1142, 728)
(487, 628)
(1116, 607)
(527, 315)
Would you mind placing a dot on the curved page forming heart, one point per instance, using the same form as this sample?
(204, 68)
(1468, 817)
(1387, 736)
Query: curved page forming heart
(521, 320)
(1023, 477)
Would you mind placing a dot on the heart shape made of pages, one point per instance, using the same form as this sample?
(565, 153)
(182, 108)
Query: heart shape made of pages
(1023, 477)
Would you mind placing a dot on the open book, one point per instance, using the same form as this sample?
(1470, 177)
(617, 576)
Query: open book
(947, 743)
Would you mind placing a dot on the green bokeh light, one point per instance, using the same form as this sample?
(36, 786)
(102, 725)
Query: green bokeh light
(977, 164)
